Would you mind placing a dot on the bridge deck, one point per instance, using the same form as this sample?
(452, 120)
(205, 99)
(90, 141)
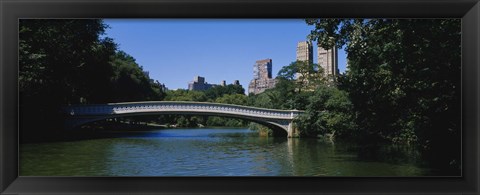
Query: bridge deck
(176, 106)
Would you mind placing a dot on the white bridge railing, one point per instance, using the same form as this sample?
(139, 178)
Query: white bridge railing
(177, 106)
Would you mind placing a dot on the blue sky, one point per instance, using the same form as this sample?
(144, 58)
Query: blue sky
(174, 51)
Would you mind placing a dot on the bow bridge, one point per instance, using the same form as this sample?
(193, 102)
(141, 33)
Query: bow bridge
(280, 121)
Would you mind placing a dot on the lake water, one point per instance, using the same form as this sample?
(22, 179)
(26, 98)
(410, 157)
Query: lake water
(212, 152)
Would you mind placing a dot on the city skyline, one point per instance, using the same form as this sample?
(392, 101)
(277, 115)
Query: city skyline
(174, 51)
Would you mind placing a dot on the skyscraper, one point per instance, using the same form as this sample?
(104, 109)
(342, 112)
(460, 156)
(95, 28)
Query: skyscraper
(262, 69)
(328, 60)
(305, 51)
(262, 77)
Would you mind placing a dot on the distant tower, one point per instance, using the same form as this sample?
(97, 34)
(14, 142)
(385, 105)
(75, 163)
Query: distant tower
(199, 79)
(224, 83)
(262, 69)
(328, 60)
(305, 51)
(262, 77)
(199, 84)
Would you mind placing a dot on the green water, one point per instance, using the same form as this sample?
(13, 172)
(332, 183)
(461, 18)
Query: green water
(212, 152)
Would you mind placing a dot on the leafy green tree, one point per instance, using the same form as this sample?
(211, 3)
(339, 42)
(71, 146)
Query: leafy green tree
(403, 80)
(67, 61)
(283, 96)
(307, 76)
(237, 99)
(327, 112)
(185, 95)
(215, 121)
(182, 121)
(262, 100)
(131, 83)
(63, 61)
(218, 91)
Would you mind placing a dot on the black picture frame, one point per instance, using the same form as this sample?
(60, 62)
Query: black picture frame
(11, 11)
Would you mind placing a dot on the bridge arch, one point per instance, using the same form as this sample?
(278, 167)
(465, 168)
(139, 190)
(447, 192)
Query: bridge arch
(280, 121)
(278, 131)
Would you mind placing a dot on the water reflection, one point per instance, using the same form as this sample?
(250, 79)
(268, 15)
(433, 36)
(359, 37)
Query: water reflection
(212, 152)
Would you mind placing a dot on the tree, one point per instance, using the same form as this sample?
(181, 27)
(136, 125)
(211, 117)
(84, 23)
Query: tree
(285, 94)
(403, 79)
(307, 76)
(262, 100)
(56, 55)
(237, 99)
(63, 62)
(185, 95)
(218, 91)
(328, 112)
(131, 83)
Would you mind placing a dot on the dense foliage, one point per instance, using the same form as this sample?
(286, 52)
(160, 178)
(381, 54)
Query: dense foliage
(56, 55)
(403, 80)
(131, 83)
(64, 62)
(306, 75)
(327, 113)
